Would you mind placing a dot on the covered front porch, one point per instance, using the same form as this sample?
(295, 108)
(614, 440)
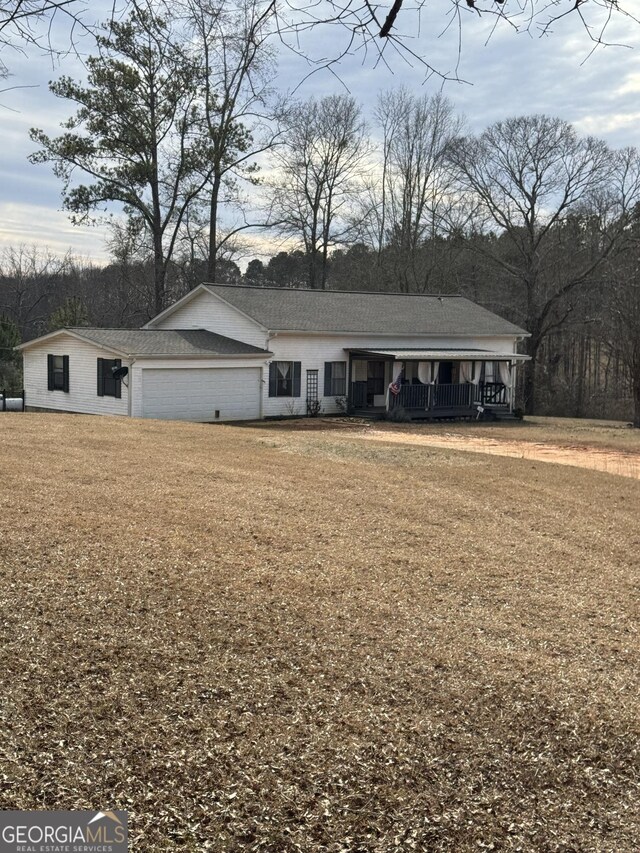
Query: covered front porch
(439, 383)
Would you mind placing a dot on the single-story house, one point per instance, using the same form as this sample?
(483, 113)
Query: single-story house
(234, 352)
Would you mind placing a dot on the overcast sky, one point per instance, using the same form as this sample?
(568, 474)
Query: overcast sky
(508, 74)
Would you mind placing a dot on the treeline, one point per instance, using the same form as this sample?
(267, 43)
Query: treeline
(180, 131)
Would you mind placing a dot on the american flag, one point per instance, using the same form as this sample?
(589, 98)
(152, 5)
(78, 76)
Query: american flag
(396, 385)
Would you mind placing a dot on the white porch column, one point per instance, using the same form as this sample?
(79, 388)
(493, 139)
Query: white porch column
(507, 376)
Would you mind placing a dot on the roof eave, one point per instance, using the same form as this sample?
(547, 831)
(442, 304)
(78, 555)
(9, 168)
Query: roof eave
(203, 355)
(469, 355)
(74, 334)
(519, 333)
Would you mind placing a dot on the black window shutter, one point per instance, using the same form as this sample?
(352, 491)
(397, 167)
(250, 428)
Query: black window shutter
(118, 383)
(100, 377)
(296, 378)
(50, 372)
(65, 373)
(273, 380)
(327, 379)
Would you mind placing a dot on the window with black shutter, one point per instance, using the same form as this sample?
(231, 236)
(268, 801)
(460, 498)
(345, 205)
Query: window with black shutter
(335, 378)
(108, 386)
(58, 373)
(284, 378)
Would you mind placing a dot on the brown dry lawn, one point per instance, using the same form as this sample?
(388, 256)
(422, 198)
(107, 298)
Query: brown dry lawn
(612, 448)
(259, 639)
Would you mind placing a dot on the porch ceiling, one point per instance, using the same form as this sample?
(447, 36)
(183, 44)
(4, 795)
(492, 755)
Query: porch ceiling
(439, 354)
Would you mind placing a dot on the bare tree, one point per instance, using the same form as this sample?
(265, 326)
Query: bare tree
(29, 277)
(18, 18)
(10, 360)
(621, 320)
(129, 278)
(319, 169)
(240, 108)
(21, 22)
(532, 177)
(413, 194)
(380, 30)
(53, 26)
(395, 29)
(623, 330)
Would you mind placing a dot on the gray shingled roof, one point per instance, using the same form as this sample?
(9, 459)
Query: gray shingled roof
(141, 342)
(284, 309)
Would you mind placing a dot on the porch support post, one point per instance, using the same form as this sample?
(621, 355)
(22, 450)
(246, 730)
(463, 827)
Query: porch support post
(387, 395)
(350, 383)
(512, 389)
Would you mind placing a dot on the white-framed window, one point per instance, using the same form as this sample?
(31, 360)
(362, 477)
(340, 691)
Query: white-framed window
(284, 378)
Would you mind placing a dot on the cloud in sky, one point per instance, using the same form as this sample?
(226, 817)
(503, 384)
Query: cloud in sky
(39, 225)
(508, 73)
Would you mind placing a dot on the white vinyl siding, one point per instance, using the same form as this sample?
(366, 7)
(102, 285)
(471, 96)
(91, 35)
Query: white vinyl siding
(197, 394)
(238, 386)
(206, 311)
(314, 350)
(83, 378)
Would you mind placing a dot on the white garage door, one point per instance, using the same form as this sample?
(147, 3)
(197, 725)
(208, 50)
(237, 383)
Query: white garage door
(201, 394)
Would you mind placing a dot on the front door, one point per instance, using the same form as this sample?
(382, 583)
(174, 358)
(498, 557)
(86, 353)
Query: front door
(445, 373)
(375, 381)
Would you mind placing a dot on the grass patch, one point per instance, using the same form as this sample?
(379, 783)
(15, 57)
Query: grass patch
(260, 640)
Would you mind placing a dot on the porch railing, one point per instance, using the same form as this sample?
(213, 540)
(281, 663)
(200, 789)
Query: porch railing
(439, 396)
(412, 397)
(453, 396)
(493, 394)
(443, 396)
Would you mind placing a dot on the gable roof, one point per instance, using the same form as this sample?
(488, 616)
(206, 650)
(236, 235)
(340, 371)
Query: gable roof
(159, 342)
(297, 310)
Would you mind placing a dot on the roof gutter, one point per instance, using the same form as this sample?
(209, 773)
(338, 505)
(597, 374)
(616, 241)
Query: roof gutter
(38, 341)
(202, 355)
(519, 334)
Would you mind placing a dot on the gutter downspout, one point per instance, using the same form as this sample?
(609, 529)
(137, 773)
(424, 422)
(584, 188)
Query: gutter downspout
(132, 361)
(264, 383)
(263, 386)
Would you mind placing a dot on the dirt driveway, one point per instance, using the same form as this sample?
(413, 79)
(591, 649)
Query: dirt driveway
(625, 463)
